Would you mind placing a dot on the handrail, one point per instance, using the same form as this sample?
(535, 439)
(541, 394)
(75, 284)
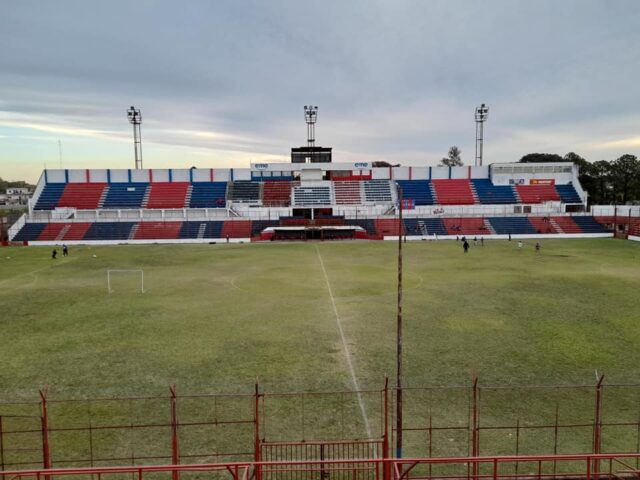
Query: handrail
(394, 462)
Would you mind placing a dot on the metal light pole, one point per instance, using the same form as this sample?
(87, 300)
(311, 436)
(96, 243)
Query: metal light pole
(310, 116)
(135, 118)
(482, 113)
(399, 335)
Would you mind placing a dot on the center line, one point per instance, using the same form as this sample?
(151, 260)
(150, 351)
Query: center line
(346, 349)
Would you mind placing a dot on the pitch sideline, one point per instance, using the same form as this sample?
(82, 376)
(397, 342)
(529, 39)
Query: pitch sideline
(354, 379)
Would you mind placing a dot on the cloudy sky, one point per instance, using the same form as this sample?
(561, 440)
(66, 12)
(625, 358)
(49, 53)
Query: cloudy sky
(223, 83)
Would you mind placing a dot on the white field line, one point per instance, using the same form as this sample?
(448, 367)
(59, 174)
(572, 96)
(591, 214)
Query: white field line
(354, 379)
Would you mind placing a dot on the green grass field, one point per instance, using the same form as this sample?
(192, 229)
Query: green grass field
(215, 317)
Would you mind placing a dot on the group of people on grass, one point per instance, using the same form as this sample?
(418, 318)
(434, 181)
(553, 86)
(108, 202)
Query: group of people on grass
(465, 243)
(65, 252)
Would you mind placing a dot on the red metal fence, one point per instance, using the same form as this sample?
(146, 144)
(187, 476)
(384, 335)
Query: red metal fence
(464, 421)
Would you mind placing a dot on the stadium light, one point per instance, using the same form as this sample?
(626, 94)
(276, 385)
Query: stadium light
(135, 118)
(482, 113)
(310, 116)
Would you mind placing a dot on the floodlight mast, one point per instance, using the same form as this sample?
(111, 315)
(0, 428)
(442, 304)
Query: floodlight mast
(482, 113)
(135, 118)
(310, 116)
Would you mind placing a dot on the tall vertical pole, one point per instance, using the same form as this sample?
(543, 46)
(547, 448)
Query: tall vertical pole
(135, 145)
(385, 435)
(135, 118)
(399, 335)
(175, 452)
(475, 447)
(1, 449)
(482, 113)
(257, 457)
(139, 164)
(310, 116)
(597, 426)
(479, 140)
(46, 456)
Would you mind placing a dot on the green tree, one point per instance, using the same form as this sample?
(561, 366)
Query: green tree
(453, 158)
(600, 190)
(541, 157)
(625, 176)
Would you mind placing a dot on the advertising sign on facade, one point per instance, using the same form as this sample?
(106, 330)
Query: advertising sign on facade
(542, 181)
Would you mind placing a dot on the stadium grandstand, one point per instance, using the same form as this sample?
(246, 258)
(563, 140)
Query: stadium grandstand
(293, 201)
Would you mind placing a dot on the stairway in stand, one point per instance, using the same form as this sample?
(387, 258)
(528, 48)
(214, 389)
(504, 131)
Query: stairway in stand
(555, 225)
(63, 232)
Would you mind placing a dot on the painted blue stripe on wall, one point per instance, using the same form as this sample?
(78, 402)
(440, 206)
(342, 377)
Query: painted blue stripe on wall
(129, 175)
(46, 177)
(170, 175)
(66, 176)
(449, 173)
(108, 175)
(191, 175)
(231, 174)
(429, 173)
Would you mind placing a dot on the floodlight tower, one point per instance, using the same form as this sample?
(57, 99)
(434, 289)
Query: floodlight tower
(135, 118)
(482, 113)
(310, 116)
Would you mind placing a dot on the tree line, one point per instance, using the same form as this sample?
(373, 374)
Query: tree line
(4, 184)
(608, 182)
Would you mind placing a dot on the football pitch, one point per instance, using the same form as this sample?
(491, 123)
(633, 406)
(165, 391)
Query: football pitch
(321, 316)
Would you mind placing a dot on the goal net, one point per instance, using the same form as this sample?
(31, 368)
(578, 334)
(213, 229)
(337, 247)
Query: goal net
(112, 274)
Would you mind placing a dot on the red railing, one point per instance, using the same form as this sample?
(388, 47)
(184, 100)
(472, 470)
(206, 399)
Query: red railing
(586, 466)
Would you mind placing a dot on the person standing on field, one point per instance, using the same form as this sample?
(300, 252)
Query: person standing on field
(465, 245)
(65, 250)
(54, 254)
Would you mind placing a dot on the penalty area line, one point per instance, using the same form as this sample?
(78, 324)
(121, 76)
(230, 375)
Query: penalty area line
(347, 354)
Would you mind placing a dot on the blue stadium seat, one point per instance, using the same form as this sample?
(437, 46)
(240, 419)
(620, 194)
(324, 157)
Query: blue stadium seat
(208, 195)
(417, 190)
(245, 191)
(50, 195)
(513, 225)
(204, 229)
(431, 225)
(568, 193)
(125, 195)
(109, 231)
(491, 194)
(29, 232)
(588, 224)
(368, 224)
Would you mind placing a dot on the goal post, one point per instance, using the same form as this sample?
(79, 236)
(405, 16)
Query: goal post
(111, 272)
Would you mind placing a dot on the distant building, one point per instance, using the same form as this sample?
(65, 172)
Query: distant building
(15, 196)
(17, 191)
